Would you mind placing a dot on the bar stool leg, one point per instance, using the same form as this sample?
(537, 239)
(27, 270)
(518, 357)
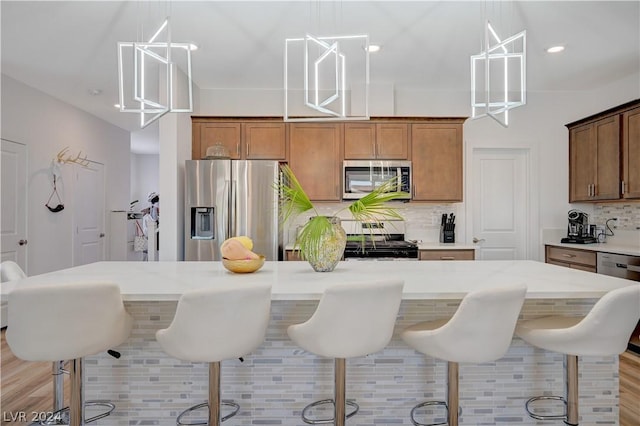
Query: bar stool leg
(340, 391)
(571, 368)
(76, 408)
(58, 385)
(214, 393)
(453, 403)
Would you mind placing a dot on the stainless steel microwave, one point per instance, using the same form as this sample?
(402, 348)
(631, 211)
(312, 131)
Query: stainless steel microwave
(360, 177)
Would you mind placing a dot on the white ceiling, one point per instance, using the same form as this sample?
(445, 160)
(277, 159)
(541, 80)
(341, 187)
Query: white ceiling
(68, 49)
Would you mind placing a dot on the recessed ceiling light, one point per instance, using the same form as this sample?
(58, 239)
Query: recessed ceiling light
(555, 49)
(374, 48)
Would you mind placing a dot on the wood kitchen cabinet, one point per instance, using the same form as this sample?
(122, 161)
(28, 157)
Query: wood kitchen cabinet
(376, 141)
(264, 141)
(436, 158)
(594, 153)
(315, 156)
(250, 139)
(631, 153)
(584, 260)
(604, 155)
(206, 134)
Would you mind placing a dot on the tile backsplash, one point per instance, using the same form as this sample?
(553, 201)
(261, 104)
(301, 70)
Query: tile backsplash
(628, 215)
(422, 221)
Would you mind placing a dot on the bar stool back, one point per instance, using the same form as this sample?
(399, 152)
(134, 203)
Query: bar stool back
(10, 270)
(351, 320)
(67, 322)
(214, 324)
(480, 331)
(604, 331)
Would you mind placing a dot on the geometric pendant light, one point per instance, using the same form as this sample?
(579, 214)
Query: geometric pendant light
(326, 78)
(498, 76)
(148, 76)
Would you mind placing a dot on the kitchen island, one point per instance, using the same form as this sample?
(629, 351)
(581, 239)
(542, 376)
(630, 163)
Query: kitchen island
(276, 381)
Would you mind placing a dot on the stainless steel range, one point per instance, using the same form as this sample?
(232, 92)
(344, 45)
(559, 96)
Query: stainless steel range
(378, 241)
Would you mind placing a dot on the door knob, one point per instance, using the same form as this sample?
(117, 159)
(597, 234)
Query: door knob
(22, 242)
(101, 235)
(476, 241)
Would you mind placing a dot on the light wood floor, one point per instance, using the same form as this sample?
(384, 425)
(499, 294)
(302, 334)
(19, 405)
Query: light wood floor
(27, 387)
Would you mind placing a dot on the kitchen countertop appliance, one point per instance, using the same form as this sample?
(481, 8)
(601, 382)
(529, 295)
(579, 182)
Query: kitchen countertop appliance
(228, 198)
(384, 240)
(578, 230)
(622, 266)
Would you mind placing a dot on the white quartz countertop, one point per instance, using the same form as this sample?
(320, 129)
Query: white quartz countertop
(603, 247)
(161, 281)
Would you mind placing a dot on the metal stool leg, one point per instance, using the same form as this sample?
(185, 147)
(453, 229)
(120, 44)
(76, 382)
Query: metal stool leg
(76, 408)
(452, 405)
(571, 368)
(452, 393)
(214, 403)
(570, 400)
(339, 402)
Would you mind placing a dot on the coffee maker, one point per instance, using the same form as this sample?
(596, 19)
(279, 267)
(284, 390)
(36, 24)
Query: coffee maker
(578, 230)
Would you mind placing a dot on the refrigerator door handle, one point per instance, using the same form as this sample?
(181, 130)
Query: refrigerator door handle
(233, 223)
(224, 224)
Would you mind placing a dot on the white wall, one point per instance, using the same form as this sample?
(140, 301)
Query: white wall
(145, 178)
(47, 125)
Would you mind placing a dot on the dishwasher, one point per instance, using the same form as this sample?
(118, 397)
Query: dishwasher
(622, 266)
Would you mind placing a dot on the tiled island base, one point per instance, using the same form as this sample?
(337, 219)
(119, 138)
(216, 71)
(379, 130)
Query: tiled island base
(276, 381)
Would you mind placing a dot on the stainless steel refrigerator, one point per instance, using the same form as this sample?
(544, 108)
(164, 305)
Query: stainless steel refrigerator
(228, 198)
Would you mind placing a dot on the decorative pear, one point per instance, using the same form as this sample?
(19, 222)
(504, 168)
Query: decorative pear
(233, 249)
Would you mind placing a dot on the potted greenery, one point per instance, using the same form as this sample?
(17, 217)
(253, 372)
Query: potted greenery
(321, 240)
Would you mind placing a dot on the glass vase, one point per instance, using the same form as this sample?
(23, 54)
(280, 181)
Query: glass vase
(333, 243)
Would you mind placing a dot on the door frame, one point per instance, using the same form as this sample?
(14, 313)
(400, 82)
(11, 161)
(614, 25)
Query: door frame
(24, 263)
(532, 222)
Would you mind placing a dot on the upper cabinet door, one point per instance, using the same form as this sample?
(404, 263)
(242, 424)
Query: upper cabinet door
(359, 141)
(631, 153)
(607, 185)
(582, 162)
(392, 141)
(264, 141)
(594, 160)
(208, 134)
(315, 156)
(436, 159)
(376, 141)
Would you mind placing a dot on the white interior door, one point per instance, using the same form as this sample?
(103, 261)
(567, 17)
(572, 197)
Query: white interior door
(500, 203)
(14, 203)
(89, 195)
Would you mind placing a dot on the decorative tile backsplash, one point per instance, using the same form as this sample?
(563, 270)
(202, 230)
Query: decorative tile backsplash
(628, 215)
(278, 379)
(422, 221)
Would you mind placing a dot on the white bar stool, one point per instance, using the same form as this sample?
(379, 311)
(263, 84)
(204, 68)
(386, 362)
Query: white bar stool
(604, 331)
(10, 270)
(351, 320)
(480, 331)
(214, 324)
(68, 322)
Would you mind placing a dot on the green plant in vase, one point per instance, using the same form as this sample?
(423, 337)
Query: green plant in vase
(321, 241)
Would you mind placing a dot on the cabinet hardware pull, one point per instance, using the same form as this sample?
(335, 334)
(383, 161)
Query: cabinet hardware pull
(247, 147)
(623, 188)
(568, 255)
(447, 258)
